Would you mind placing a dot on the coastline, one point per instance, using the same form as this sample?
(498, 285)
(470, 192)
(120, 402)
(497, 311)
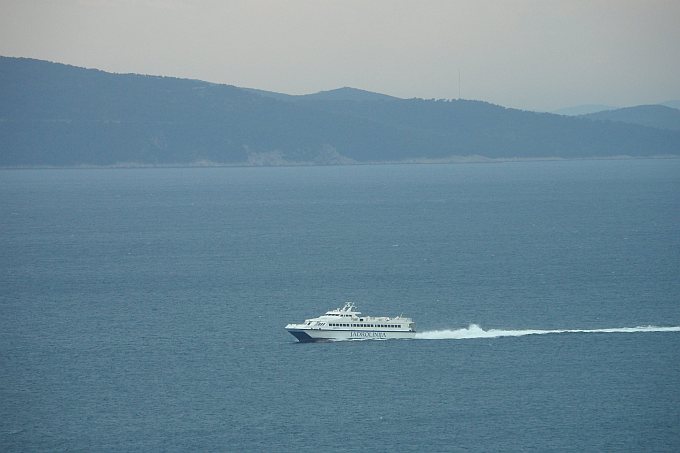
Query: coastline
(453, 160)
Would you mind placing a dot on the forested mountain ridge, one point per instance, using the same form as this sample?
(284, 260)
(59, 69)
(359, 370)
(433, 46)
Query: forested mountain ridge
(58, 115)
(659, 116)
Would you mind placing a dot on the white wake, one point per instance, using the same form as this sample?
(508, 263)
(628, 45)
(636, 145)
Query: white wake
(474, 331)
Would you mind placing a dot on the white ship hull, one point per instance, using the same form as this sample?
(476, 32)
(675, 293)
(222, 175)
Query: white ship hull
(306, 335)
(348, 324)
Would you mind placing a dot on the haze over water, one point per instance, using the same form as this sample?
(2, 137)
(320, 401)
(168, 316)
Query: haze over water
(144, 309)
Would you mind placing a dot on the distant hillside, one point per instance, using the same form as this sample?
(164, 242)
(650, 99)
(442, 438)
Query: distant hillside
(271, 94)
(347, 94)
(339, 94)
(582, 109)
(672, 104)
(54, 114)
(658, 116)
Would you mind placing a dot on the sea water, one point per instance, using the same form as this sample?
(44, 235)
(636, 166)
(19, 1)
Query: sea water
(143, 309)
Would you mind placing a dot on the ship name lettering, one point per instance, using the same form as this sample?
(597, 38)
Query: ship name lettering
(360, 334)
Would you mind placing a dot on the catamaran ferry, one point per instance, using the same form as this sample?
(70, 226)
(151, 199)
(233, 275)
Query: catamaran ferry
(348, 324)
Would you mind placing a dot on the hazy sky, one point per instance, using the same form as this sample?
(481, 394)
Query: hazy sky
(532, 54)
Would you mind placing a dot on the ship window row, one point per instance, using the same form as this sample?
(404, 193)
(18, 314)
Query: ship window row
(335, 324)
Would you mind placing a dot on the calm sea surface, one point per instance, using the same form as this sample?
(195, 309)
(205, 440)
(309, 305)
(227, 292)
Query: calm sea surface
(143, 309)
